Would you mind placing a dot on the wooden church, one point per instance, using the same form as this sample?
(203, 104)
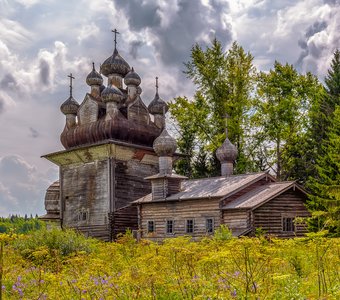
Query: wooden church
(116, 172)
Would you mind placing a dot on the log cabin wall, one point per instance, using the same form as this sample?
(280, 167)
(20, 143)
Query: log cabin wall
(97, 181)
(237, 221)
(287, 205)
(84, 195)
(178, 211)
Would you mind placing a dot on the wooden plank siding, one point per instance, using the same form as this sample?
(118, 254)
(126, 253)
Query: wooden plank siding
(238, 221)
(179, 212)
(288, 204)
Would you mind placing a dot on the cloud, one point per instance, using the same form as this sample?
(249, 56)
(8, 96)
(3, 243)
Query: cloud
(134, 47)
(34, 133)
(172, 37)
(22, 187)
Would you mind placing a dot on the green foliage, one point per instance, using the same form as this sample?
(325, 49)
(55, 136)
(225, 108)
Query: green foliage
(223, 233)
(44, 244)
(283, 99)
(325, 196)
(20, 225)
(178, 268)
(224, 84)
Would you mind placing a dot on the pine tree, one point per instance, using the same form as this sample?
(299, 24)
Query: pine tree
(325, 199)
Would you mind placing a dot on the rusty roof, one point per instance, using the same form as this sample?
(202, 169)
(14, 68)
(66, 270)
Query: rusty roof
(260, 195)
(215, 187)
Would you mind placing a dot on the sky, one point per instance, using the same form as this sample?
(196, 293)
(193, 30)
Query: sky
(42, 41)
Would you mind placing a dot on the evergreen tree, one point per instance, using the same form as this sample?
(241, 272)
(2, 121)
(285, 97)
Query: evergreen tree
(325, 197)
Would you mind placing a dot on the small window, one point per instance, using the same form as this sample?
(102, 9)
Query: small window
(170, 226)
(151, 226)
(288, 224)
(82, 216)
(190, 226)
(209, 225)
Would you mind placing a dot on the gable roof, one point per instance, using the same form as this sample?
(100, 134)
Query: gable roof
(261, 195)
(216, 187)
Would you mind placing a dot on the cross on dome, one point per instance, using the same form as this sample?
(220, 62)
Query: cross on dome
(115, 31)
(71, 77)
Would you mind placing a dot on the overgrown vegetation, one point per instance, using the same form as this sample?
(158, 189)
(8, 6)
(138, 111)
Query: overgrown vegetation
(214, 268)
(20, 225)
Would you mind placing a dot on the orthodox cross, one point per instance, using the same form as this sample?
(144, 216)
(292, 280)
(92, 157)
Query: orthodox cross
(115, 31)
(226, 124)
(93, 66)
(71, 77)
(156, 85)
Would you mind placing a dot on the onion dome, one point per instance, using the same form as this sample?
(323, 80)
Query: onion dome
(227, 152)
(132, 78)
(94, 78)
(70, 106)
(165, 145)
(112, 94)
(157, 106)
(52, 198)
(115, 64)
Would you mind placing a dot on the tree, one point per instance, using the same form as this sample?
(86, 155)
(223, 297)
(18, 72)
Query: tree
(325, 197)
(283, 100)
(224, 82)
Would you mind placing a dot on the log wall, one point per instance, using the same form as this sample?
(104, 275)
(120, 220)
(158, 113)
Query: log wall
(179, 212)
(288, 204)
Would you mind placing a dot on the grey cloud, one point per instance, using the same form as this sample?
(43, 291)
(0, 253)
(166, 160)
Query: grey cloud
(310, 49)
(8, 82)
(134, 47)
(22, 187)
(44, 73)
(173, 42)
(2, 105)
(141, 14)
(33, 132)
(332, 2)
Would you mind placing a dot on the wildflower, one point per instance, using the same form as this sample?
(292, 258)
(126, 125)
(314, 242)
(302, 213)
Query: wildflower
(234, 293)
(3, 287)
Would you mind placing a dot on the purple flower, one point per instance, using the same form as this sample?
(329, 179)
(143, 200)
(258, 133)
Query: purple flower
(3, 287)
(234, 293)
(84, 291)
(237, 273)
(61, 283)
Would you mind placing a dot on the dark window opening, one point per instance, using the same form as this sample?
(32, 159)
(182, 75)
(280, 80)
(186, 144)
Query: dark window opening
(209, 225)
(169, 226)
(82, 216)
(190, 226)
(151, 226)
(288, 224)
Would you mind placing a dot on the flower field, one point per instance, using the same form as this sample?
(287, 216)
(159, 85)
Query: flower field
(64, 265)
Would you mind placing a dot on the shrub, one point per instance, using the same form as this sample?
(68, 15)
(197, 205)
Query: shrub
(44, 243)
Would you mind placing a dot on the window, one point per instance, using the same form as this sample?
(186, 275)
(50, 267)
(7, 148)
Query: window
(288, 224)
(82, 216)
(170, 226)
(190, 226)
(151, 226)
(209, 225)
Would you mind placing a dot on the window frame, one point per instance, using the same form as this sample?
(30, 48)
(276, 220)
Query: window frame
(148, 226)
(288, 224)
(187, 226)
(167, 222)
(212, 225)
